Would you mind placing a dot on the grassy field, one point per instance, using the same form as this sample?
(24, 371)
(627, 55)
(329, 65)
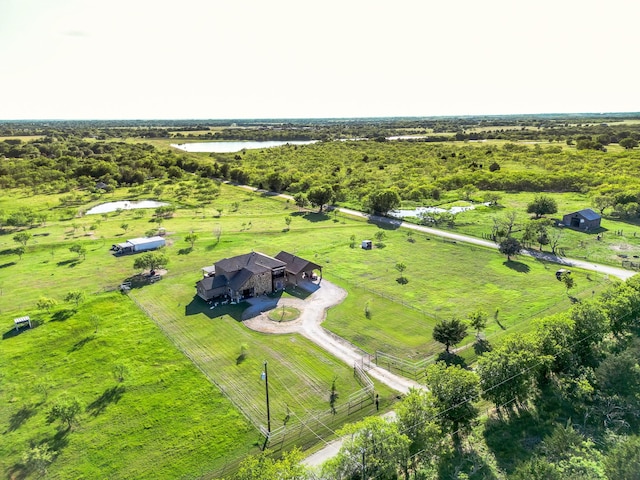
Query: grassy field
(444, 280)
(163, 421)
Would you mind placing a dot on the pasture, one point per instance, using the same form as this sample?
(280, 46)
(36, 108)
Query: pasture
(444, 280)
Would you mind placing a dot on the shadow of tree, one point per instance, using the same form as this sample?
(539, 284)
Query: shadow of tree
(315, 217)
(8, 264)
(185, 251)
(464, 464)
(451, 359)
(21, 416)
(71, 262)
(78, 345)
(513, 438)
(402, 280)
(211, 246)
(481, 345)
(517, 266)
(62, 315)
(110, 395)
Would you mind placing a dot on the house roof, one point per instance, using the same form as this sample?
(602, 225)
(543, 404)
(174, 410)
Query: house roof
(255, 262)
(588, 214)
(240, 278)
(209, 283)
(295, 264)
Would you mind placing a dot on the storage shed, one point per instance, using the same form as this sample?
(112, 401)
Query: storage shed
(367, 244)
(586, 220)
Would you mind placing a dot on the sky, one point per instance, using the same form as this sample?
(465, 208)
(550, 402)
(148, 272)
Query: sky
(212, 59)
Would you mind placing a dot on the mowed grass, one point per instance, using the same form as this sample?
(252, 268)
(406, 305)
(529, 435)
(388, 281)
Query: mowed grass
(300, 373)
(618, 237)
(165, 420)
(445, 280)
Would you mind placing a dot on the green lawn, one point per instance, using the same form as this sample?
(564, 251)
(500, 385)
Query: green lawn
(163, 421)
(170, 415)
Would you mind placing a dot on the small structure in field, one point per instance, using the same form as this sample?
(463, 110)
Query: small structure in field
(135, 245)
(586, 220)
(367, 244)
(21, 321)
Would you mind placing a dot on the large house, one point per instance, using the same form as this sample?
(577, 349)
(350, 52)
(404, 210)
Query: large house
(253, 274)
(585, 219)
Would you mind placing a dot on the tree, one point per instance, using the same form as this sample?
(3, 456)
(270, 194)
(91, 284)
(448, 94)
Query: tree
(372, 448)
(263, 467)
(66, 410)
(287, 220)
(120, 371)
(382, 201)
(542, 205)
(95, 321)
(79, 249)
(478, 320)
(217, 232)
(75, 296)
(191, 238)
(401, 267)
(453, 390)
(20, 251)
(492, 198)
(124, 226)
(45, 303)
(623, 461)
(507, 373)
(38, 458)
(300, 200)
(628, 143)
(567, 280)
(150, 261)
(602, 202)
(22, 238)
(449, 332)
(415, 417)
(320, 195)
(510, 246)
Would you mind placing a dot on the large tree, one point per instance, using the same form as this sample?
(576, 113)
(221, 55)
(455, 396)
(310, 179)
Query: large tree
(22, 238)
(382, 201)
(507, 373)
(510, 246)
(150, 261)
(449, 332)
(320, 195)
(415, 416)
(372, 448)
(542, 205)
(454, 390)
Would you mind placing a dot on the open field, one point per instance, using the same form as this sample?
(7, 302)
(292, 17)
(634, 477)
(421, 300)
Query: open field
(164, 420)
(444, 279)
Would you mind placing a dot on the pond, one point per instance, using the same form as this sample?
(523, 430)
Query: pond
(416, 212)
(232, 147)
(124, 205)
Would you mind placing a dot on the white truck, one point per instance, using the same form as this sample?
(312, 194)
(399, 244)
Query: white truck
(135, 245)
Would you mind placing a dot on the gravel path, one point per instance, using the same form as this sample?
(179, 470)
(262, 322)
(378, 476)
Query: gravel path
(313, 312)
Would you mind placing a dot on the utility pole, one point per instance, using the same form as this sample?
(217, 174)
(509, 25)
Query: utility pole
(265, 377)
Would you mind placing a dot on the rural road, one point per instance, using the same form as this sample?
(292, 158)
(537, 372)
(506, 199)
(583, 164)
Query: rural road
(314, 311)
(620, 273)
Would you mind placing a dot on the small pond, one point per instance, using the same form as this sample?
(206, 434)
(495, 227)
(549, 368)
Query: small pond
(232, 147)
(124, 205)
(416, 212)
